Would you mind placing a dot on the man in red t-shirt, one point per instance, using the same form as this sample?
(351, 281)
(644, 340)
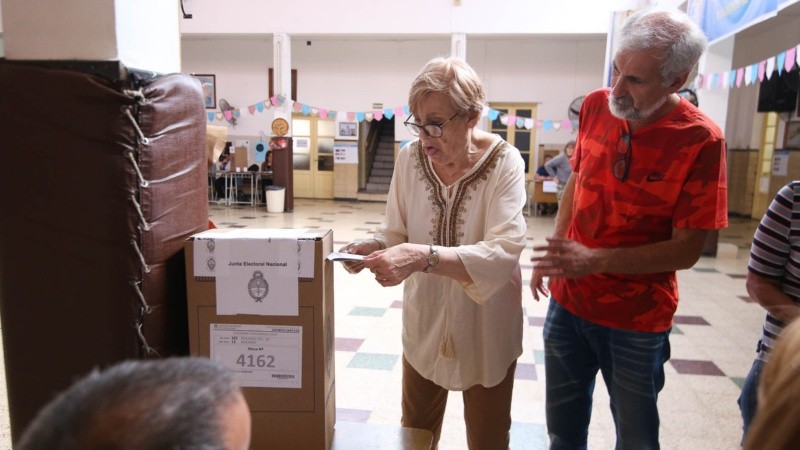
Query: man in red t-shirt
(648, 183)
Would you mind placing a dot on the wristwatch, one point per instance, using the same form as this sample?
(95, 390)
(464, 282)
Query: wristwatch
(433, 259)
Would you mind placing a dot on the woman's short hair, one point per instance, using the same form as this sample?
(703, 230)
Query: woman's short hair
(452, 77)
(670, 31)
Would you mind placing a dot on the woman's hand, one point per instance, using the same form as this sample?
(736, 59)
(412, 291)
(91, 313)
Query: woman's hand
(393, 265)
(359, 247)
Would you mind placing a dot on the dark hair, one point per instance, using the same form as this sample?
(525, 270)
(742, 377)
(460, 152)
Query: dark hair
(172, 403)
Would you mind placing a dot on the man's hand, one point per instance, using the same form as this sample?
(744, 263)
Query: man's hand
(564, 258)
(537, 285)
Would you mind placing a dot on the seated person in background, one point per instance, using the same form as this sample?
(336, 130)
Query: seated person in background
(776, 425)
(541, 175)
(560, 167)
(223, 165)
(173, 403)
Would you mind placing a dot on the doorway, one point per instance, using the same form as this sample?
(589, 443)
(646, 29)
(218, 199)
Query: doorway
(520, 137)
(312, 159)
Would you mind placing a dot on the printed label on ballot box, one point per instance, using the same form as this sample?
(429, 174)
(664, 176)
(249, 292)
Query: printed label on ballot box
(260, 355)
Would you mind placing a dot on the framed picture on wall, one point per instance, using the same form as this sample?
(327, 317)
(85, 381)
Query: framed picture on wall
(347, 130)
(209, 83)
(792, 139)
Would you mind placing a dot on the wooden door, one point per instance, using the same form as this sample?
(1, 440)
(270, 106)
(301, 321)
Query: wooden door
(313, 156)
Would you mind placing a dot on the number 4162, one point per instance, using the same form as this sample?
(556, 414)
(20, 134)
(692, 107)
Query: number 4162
(256, 361)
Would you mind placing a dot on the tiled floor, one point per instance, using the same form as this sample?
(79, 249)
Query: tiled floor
(713, 339)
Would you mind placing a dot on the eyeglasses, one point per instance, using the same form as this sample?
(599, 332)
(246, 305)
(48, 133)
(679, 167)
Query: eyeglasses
(623, 162)
(433, 130)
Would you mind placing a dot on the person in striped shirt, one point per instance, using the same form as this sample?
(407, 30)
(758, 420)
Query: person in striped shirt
(773, 280)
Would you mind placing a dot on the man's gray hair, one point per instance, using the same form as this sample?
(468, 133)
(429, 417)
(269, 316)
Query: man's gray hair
(670, 31)
(172, 403)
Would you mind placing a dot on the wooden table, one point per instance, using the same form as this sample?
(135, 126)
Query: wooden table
(539, 195)
(364, 436)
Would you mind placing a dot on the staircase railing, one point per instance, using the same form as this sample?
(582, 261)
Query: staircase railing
(370, 149)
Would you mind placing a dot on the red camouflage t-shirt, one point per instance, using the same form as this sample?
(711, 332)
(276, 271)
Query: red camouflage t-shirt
(677, 179)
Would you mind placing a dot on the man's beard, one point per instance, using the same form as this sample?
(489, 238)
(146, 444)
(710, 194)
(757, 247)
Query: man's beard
(622, 108)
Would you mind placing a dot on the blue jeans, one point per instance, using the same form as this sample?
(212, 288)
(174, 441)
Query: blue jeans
(748, 399)
(632, 364)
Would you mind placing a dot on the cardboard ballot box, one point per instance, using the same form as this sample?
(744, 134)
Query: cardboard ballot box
(261, 302)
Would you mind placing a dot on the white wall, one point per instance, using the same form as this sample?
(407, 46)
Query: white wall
(422, 17)
(142, 34)
(351, 75)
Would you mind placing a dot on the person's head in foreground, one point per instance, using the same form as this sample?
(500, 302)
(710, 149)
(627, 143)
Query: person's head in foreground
(776, 425)
(173, 403)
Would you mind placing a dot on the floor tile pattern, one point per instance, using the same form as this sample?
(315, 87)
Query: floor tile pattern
(713, 339)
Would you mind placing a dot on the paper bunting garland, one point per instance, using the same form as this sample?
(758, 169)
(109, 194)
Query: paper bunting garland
(787, 60)
(378, 114)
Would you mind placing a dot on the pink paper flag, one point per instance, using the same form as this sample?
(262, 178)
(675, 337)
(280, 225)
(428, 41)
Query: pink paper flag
(762, 67)
(228, 114)
(297, 107)
(378, 115)
(323, 113)
(351, 116)
(719, 77)
(790, 57)
(511, 118)
(566, 124)
(274, 100)
(398, 111)
(739, 76)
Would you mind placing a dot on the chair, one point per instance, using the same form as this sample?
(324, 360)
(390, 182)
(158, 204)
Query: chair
(538, 195)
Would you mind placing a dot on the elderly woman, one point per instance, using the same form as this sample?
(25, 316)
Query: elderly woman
(454, 232)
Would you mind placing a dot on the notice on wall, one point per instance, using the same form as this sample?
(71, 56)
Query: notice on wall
(344, 153)
(260, 355)
(780, 163)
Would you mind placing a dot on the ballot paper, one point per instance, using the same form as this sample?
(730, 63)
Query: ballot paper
(342, 256)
